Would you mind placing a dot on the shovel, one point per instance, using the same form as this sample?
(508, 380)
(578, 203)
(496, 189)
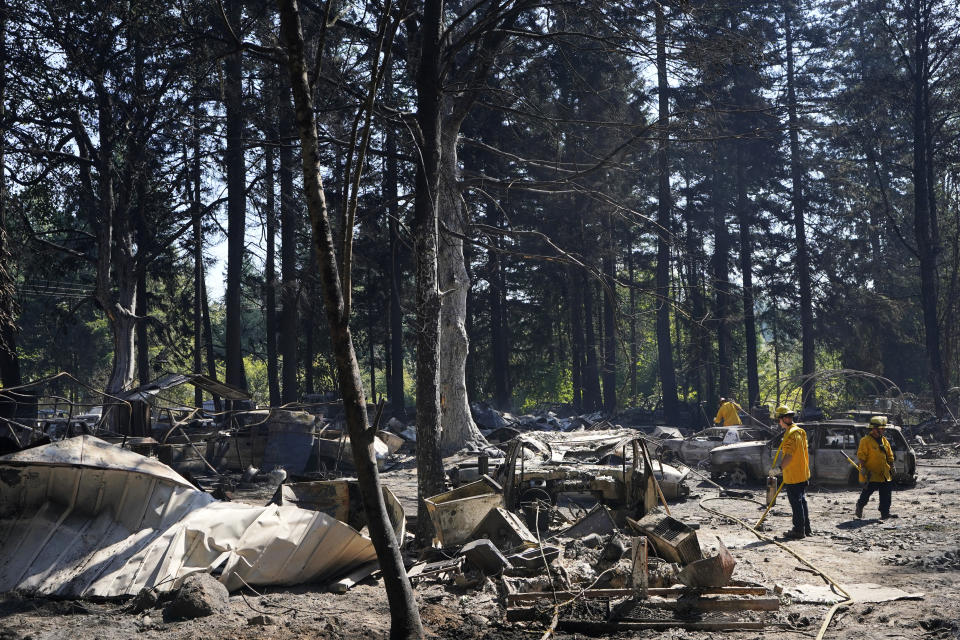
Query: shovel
(769, 506)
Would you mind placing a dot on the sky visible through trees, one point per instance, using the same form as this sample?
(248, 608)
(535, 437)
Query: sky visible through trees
(630, 205)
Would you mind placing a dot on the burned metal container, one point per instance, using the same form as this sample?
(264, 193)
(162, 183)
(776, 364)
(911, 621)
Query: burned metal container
(455, 514)
(673, 540)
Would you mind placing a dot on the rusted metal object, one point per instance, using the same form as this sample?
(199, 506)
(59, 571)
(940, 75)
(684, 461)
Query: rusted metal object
(709, 572)
(455, 514)
(673, 540)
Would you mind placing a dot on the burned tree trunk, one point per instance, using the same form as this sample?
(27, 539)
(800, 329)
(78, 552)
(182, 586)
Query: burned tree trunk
(270, 266)
(430, 474)
(498, 317)
(591, 369)
(236, 204)
(198, 275)
(746, 269)
(925, 224)
(575, 304)
(808, 362)
(721, 279)
(668, 377)
(289, 288)
(9, 363)
(458, 427)
(405, 619)
(391, 178)
(608, 265)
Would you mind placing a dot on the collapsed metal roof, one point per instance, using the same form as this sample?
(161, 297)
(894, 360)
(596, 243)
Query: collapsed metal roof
(82, 517)
(151, 389)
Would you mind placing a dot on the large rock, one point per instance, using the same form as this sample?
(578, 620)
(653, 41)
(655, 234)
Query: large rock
(200, 595)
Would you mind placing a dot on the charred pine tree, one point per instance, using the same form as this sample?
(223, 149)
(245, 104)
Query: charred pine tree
(199, 290)
(608, 266)
(575, 304)
(289, 274)
(9, 362)
(270, 260)
(798, 202)
(497, 302)
(430, 474)
(236, 197)
(390, 193)
(668, 376)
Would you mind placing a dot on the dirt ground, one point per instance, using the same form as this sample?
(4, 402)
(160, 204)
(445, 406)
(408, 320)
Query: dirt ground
(918, 552)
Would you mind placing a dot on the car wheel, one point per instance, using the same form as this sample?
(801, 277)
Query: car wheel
(739, 477)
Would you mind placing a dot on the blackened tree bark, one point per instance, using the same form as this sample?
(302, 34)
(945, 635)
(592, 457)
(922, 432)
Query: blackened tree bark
(371, 344)
(9, 362)
(721, 278)
(236, 200)
(195, 189)
(575, 304)
(497, 293)
(591, 370)
(476, 48)
(608, 265)
(309, 327)
(925, 223)
(634, 349)
(144, 240)
(390, 190)
(668, 377)
(430, 474)
(290, 277)
(405, 619)
(746, 267)
(808, 353)
(270, 261)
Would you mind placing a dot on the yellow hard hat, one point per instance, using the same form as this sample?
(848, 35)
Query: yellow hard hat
(783, 410)
(878, 421)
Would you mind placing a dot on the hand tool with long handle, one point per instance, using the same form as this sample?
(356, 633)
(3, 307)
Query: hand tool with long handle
(769, 506)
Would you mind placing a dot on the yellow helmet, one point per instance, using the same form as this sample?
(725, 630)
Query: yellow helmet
(782, 411)
(878, 421)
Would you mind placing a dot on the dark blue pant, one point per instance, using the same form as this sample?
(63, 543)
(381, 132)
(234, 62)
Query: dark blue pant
(885, 489)
(796, 493)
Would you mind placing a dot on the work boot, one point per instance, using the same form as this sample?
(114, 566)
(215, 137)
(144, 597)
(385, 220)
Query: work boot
(793, 534)
(885, 516)
(859, 512)
(808, 532)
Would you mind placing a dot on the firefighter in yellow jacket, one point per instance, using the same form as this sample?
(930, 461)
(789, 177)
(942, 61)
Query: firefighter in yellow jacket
(728, 414)
(876, 466)
(795, 466)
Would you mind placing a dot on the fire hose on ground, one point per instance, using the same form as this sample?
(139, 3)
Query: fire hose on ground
(814, 568)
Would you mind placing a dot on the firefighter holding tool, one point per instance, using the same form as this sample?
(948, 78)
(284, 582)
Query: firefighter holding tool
(876, 466)
(795, 467)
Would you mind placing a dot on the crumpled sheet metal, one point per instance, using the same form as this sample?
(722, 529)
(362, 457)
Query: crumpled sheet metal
(83, 518)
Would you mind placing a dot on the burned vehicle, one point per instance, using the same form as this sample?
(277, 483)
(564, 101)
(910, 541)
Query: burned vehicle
(613, 467)
(830, 444)
(695, 449)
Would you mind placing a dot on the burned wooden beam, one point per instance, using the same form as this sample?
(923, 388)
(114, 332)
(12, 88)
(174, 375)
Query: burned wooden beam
(594, 627)
(535, 596)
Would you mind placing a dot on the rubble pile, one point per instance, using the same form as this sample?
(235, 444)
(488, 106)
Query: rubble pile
(568, 527)
(947, 561)
(623, 564)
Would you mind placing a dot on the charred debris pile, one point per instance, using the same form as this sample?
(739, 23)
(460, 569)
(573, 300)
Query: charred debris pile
(566, 521)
